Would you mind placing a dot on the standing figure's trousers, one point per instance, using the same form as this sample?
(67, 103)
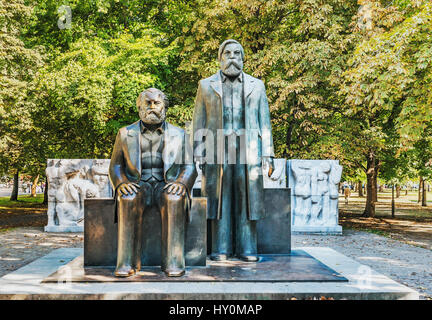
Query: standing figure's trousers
(130, 210)
(234, 232)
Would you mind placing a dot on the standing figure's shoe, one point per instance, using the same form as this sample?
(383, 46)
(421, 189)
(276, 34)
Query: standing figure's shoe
(124, 271)
(248, 257)
(218, 256)
(174, 272)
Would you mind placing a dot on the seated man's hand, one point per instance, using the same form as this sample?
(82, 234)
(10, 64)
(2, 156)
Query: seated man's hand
(175, 188)
(128, 188)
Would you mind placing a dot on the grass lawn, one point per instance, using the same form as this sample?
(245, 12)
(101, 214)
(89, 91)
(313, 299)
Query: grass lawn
(23, 201)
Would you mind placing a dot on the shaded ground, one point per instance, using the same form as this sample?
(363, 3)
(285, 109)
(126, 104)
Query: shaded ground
(412, 223)
(27, 212)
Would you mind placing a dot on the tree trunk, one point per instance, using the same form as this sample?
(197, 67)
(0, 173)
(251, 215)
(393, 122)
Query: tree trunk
(34, 186)
(419, 189)
(398, 189)
(370, 185)
(423, 203)
(14, 195)
(393, 201)
(360, 189)
(406, 191)
(45, 200)
(375, 179)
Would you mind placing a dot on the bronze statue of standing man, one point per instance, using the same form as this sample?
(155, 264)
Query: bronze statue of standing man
(232, 121)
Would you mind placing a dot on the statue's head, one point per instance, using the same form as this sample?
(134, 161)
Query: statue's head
(231, 55)
(152, 104)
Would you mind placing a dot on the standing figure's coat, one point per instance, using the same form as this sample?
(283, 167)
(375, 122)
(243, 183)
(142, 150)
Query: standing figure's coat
(208, 114)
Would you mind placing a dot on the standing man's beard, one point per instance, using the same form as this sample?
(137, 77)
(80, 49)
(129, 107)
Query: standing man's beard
(231, 68)
(152, 116)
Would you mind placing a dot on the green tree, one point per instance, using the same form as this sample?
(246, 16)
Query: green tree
(87, 93)
(299, 48)
(18, 65)
(382, 84)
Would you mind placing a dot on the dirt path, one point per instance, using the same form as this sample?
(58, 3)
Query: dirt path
(412, 223)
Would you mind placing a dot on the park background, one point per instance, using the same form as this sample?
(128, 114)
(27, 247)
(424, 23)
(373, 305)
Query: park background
(347, 80)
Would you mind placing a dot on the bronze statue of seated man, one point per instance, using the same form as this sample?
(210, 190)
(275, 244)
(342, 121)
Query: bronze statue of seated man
(148, 169)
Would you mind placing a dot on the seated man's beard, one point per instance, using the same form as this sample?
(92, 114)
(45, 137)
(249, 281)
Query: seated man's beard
(152, 116)
(231, 68)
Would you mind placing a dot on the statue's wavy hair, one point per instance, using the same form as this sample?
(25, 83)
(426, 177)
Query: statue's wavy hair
(141, 96)
(225, 43)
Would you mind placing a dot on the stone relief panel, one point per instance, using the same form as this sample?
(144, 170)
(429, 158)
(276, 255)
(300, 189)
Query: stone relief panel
(70, 181)
(314, 195)
(313, 183)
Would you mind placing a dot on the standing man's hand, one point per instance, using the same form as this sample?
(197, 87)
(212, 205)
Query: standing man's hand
(128, 188)
(268, 165)
(201, 161)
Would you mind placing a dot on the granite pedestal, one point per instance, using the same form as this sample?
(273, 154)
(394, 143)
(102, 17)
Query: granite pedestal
(100, 234)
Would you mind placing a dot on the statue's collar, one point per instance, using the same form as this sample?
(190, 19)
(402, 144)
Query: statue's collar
(239, 78)
(159, 128)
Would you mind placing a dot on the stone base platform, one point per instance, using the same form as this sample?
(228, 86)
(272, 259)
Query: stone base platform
(322, 230)
(363, 283)
(64, 228)
(295, 267)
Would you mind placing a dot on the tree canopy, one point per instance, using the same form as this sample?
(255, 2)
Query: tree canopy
(347, 80)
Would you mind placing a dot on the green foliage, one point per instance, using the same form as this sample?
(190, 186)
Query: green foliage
(87, 93)
(386, 87)
(18, 65)
(299, 49)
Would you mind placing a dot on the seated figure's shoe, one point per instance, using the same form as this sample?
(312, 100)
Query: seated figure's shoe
(248, 257)
(124, 271)
(174, 272)
(219, 256)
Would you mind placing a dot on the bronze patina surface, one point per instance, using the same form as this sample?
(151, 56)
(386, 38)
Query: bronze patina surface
(148, 170)
(295, 267)
(235, 104)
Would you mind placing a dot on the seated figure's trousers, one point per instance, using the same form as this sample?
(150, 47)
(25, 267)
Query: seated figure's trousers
(130, 210)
